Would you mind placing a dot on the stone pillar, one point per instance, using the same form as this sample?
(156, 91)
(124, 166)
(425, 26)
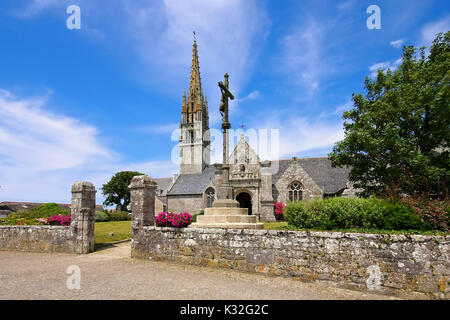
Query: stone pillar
(218, 174)
(83, 215)
(266, 192)
(142, 199)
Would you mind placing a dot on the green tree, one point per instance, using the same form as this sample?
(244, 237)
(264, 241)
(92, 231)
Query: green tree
(398, 135)
(116, 190)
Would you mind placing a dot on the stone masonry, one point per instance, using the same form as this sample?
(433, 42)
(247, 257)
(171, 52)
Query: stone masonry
(381, 263)
(142, 200)
(77, 238)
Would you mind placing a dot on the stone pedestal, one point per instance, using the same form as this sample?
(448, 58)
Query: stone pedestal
(83, 215)
(266, 192)
(226, 213)
(142, 196)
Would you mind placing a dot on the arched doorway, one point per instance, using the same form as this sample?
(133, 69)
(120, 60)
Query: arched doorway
(245, 201)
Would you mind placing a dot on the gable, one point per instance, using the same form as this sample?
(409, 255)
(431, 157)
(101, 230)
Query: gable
(243, 153)
(330, 180)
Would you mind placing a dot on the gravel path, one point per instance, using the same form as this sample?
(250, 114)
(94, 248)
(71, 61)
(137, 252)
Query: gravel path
(109, 273)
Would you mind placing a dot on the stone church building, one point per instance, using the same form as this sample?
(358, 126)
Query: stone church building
(256, 184)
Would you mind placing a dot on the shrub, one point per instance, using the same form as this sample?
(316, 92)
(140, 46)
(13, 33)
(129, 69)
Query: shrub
(43, 211)
(434, 212)
(101, 216)
(22, 221)
(59, 220)
(279, 209)
(120, 216)
(170, 219)
(353, 213)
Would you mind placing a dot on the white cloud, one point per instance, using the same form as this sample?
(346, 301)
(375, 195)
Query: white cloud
(298, 135)
(343, 107)
(42, 153)
(302, 54)
(32, 137)
(228, 41)
(397, 43)
(384, 66)
(35, 7)
(160, 33)
(159, 129)
(342, 6)
(430, 30)
(251, 96)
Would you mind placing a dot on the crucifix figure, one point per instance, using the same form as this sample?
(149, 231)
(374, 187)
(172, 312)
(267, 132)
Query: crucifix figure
(224, 102)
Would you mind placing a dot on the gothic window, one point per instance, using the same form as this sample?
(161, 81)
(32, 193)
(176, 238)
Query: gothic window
(295, 191)
(210, 196)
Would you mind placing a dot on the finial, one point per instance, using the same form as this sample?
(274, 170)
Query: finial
(242, 126)
(195, 38)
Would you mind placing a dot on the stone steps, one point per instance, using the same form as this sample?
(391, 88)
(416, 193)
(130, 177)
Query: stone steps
(212, 219)
(226, 214)
(225, 211)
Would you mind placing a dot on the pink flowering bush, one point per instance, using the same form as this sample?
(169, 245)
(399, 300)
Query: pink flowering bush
(59, 220)
(279, 208)
(174, 220)
(435, 212)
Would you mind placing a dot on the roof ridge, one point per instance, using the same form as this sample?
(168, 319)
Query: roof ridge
(291, 159)
(24, 202)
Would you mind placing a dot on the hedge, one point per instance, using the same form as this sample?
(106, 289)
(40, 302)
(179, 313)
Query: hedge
(353, 213)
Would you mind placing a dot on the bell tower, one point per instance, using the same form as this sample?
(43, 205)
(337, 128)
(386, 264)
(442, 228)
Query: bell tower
(195, 146)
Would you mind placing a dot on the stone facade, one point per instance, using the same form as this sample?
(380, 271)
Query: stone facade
(77, 238)
(390, 264)
(296, 173)
(186, 203)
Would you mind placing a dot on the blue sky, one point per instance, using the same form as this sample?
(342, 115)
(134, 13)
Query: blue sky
(84, 104)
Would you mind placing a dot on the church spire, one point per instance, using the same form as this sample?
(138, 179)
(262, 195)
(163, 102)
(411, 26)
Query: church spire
(195, 145)
(195, 99)
(184, 105)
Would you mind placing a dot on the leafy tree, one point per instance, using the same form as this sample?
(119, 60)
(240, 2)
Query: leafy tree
(398, 135)
(116, 190)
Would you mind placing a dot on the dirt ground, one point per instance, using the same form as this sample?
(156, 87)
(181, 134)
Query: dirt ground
(110, 273)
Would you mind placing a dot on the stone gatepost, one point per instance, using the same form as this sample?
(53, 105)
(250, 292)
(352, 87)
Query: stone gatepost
(83, 216)
(266, 192)
(142, 200)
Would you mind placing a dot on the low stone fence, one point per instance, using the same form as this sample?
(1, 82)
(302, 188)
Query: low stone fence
(382, 263)
(375, 262)
(77, 238)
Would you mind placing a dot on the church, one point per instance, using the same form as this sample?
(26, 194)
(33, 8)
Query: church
(256, 184)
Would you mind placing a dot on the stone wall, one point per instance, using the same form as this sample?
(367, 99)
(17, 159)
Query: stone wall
(37, 238)
(181, 203)
(77, 238)
(382, 263)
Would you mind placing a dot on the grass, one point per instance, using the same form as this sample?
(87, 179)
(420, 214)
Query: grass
(120, 229)
(194, 217)
(283, 225)
(278, 225)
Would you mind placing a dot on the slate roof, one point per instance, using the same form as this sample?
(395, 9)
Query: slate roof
(193, 183)
(330, 180)
(162, 185)
(16, 206)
